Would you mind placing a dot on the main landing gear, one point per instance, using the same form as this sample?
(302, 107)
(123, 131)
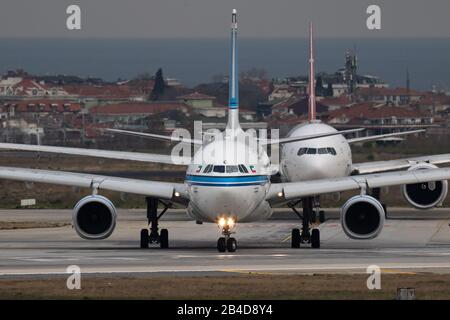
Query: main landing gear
(226, 243)
(305, 235)
(153, 235)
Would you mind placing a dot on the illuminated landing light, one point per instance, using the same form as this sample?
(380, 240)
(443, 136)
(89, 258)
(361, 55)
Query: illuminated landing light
(226, 222)
(280, 194)
(177, 194)
(222, 222)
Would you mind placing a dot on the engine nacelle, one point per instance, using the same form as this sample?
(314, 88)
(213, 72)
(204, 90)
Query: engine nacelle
(362, 217)
(94, 217)
(425, 195)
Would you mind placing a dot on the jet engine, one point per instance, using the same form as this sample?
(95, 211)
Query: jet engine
(94, 217)
(362, 217)
(425, 195)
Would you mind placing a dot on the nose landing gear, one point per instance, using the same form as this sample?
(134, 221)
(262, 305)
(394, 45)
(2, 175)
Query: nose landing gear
(226, 243)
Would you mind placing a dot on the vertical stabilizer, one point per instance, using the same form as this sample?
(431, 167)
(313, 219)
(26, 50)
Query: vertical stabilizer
(233, 102)
(312, 94)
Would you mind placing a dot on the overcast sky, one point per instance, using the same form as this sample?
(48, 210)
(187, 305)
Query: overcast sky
(210, 18)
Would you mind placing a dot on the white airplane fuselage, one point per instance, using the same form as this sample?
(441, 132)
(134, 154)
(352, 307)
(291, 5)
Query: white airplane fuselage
(229, 178)
(322, 158)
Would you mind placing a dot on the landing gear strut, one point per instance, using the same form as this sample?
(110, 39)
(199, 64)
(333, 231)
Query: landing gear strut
(153, 235)
(305, 235)
(226, 243)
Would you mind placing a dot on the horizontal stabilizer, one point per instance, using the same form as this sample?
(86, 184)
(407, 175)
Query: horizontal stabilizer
(382, 136)
(156, 136)
(307, 137)
(109, 154)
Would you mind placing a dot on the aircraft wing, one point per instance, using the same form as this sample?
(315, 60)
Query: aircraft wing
(307, 137)
(296, 190)
(382, 136)
(121, 155)
(389, 165)
(164, 190)
(156, 136)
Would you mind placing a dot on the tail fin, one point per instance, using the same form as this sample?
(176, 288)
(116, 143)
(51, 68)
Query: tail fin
(233, 102)
(312, 94)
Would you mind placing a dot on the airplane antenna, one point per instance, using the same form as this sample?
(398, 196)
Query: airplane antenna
(312, 94)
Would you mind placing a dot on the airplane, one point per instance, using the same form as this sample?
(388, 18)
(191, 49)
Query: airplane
(331, 157)
(227, 182)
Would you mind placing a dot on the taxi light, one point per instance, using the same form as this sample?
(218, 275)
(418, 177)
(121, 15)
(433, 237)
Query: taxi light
(280, 194)
(177, 194)
(230, 222)
(222, 222)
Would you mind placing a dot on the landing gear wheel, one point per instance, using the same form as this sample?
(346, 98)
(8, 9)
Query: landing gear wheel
(221, 245)
(164, 239)
(322, 216)
(144, 238)
(295, 238)
(231, 245)
(315, 238)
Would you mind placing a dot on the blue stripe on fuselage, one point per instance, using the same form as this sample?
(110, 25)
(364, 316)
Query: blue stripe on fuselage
(221, 181)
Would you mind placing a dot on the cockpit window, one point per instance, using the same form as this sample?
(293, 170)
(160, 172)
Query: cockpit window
(208, 168)
(232, 169)
(301, 151)
(219, 169)
(328, 150)
(242, 169)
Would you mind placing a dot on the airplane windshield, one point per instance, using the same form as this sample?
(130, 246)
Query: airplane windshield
(243, 169)
(232, 169)
(219, 169)
(303, 151)
(208, 168)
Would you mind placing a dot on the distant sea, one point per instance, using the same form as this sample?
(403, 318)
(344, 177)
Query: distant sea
(195, 61)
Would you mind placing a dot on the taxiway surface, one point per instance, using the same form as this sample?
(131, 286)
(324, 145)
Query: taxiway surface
(411, 241)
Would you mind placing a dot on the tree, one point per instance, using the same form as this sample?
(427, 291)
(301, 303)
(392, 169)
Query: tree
(159, 86)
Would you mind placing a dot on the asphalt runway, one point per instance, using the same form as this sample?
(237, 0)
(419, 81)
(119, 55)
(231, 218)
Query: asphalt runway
(412, 241)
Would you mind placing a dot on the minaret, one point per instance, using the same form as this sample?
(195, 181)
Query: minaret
(408, 86)
(233, 97)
